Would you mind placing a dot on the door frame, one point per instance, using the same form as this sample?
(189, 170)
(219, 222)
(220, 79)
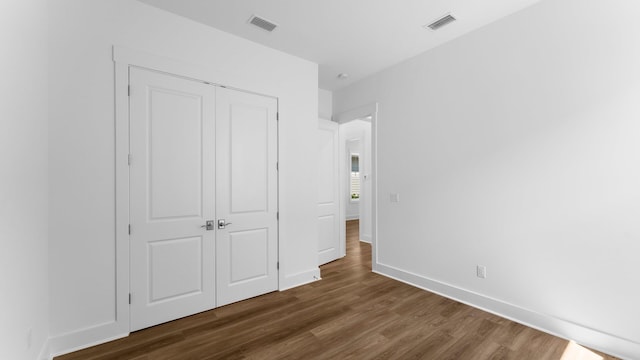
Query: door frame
(124, 58)
(365, 111)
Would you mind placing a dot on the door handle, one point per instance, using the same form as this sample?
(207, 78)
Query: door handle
(208, 225)
(222, 224)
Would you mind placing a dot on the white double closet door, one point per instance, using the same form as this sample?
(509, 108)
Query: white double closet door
(200, 154)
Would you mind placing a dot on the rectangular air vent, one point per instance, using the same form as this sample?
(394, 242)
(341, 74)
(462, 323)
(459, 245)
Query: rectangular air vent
(262, 23)
(447, 19)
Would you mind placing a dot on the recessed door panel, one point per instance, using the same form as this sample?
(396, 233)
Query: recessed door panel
(175, 268)
(249, 255)
(326, 233)
(175, 153)
(249, 141)
(327, 166)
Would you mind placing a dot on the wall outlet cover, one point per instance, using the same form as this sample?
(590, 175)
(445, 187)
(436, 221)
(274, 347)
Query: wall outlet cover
(481, 271)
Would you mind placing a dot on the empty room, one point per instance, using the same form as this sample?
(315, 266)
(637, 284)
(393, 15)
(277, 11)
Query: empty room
(279, 179)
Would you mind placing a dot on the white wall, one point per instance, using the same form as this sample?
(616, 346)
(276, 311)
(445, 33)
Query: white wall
(325, 104)
(23, 180)
(524, 146)
(82, 139)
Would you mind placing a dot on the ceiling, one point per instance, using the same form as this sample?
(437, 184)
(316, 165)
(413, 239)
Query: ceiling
(356, 37)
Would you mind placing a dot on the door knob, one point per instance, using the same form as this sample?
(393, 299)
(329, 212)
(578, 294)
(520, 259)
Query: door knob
(222, 224)
(208, 225)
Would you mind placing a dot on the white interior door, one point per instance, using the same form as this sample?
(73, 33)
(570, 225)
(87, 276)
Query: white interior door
(172, 177)
(328, 192)
(246, 192)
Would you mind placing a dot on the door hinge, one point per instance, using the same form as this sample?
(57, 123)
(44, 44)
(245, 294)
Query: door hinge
(129, 159)
(277, 166)
(129, 298)
(278, 215)
(128, 90)
(277, 267)
(129, 229)
(277, 116)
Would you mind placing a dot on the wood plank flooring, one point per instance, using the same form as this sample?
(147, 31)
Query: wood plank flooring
(351, 314)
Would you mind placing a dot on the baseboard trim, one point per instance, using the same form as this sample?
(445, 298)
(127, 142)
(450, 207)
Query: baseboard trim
(45, 352)
(84, 338)
(299, 279)
(595, 339)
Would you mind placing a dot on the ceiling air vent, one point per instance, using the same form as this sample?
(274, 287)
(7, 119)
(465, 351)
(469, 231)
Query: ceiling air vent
(262, 23)
(447, 19)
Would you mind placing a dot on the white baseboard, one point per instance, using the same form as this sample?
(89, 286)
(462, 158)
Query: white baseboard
(102, 333)
(301, 278)
(45, 352)
(595, 339)
(352, 217)
(84, 338)
(365, 241)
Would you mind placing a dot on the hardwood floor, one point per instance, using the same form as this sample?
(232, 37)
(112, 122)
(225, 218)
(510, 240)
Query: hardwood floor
(351, 314)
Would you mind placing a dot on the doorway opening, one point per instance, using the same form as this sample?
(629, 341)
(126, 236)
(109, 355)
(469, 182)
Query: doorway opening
(355, 174)
(357, 178)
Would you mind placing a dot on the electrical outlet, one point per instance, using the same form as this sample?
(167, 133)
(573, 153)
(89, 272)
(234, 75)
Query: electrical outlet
(394, 198)
(481, 271)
